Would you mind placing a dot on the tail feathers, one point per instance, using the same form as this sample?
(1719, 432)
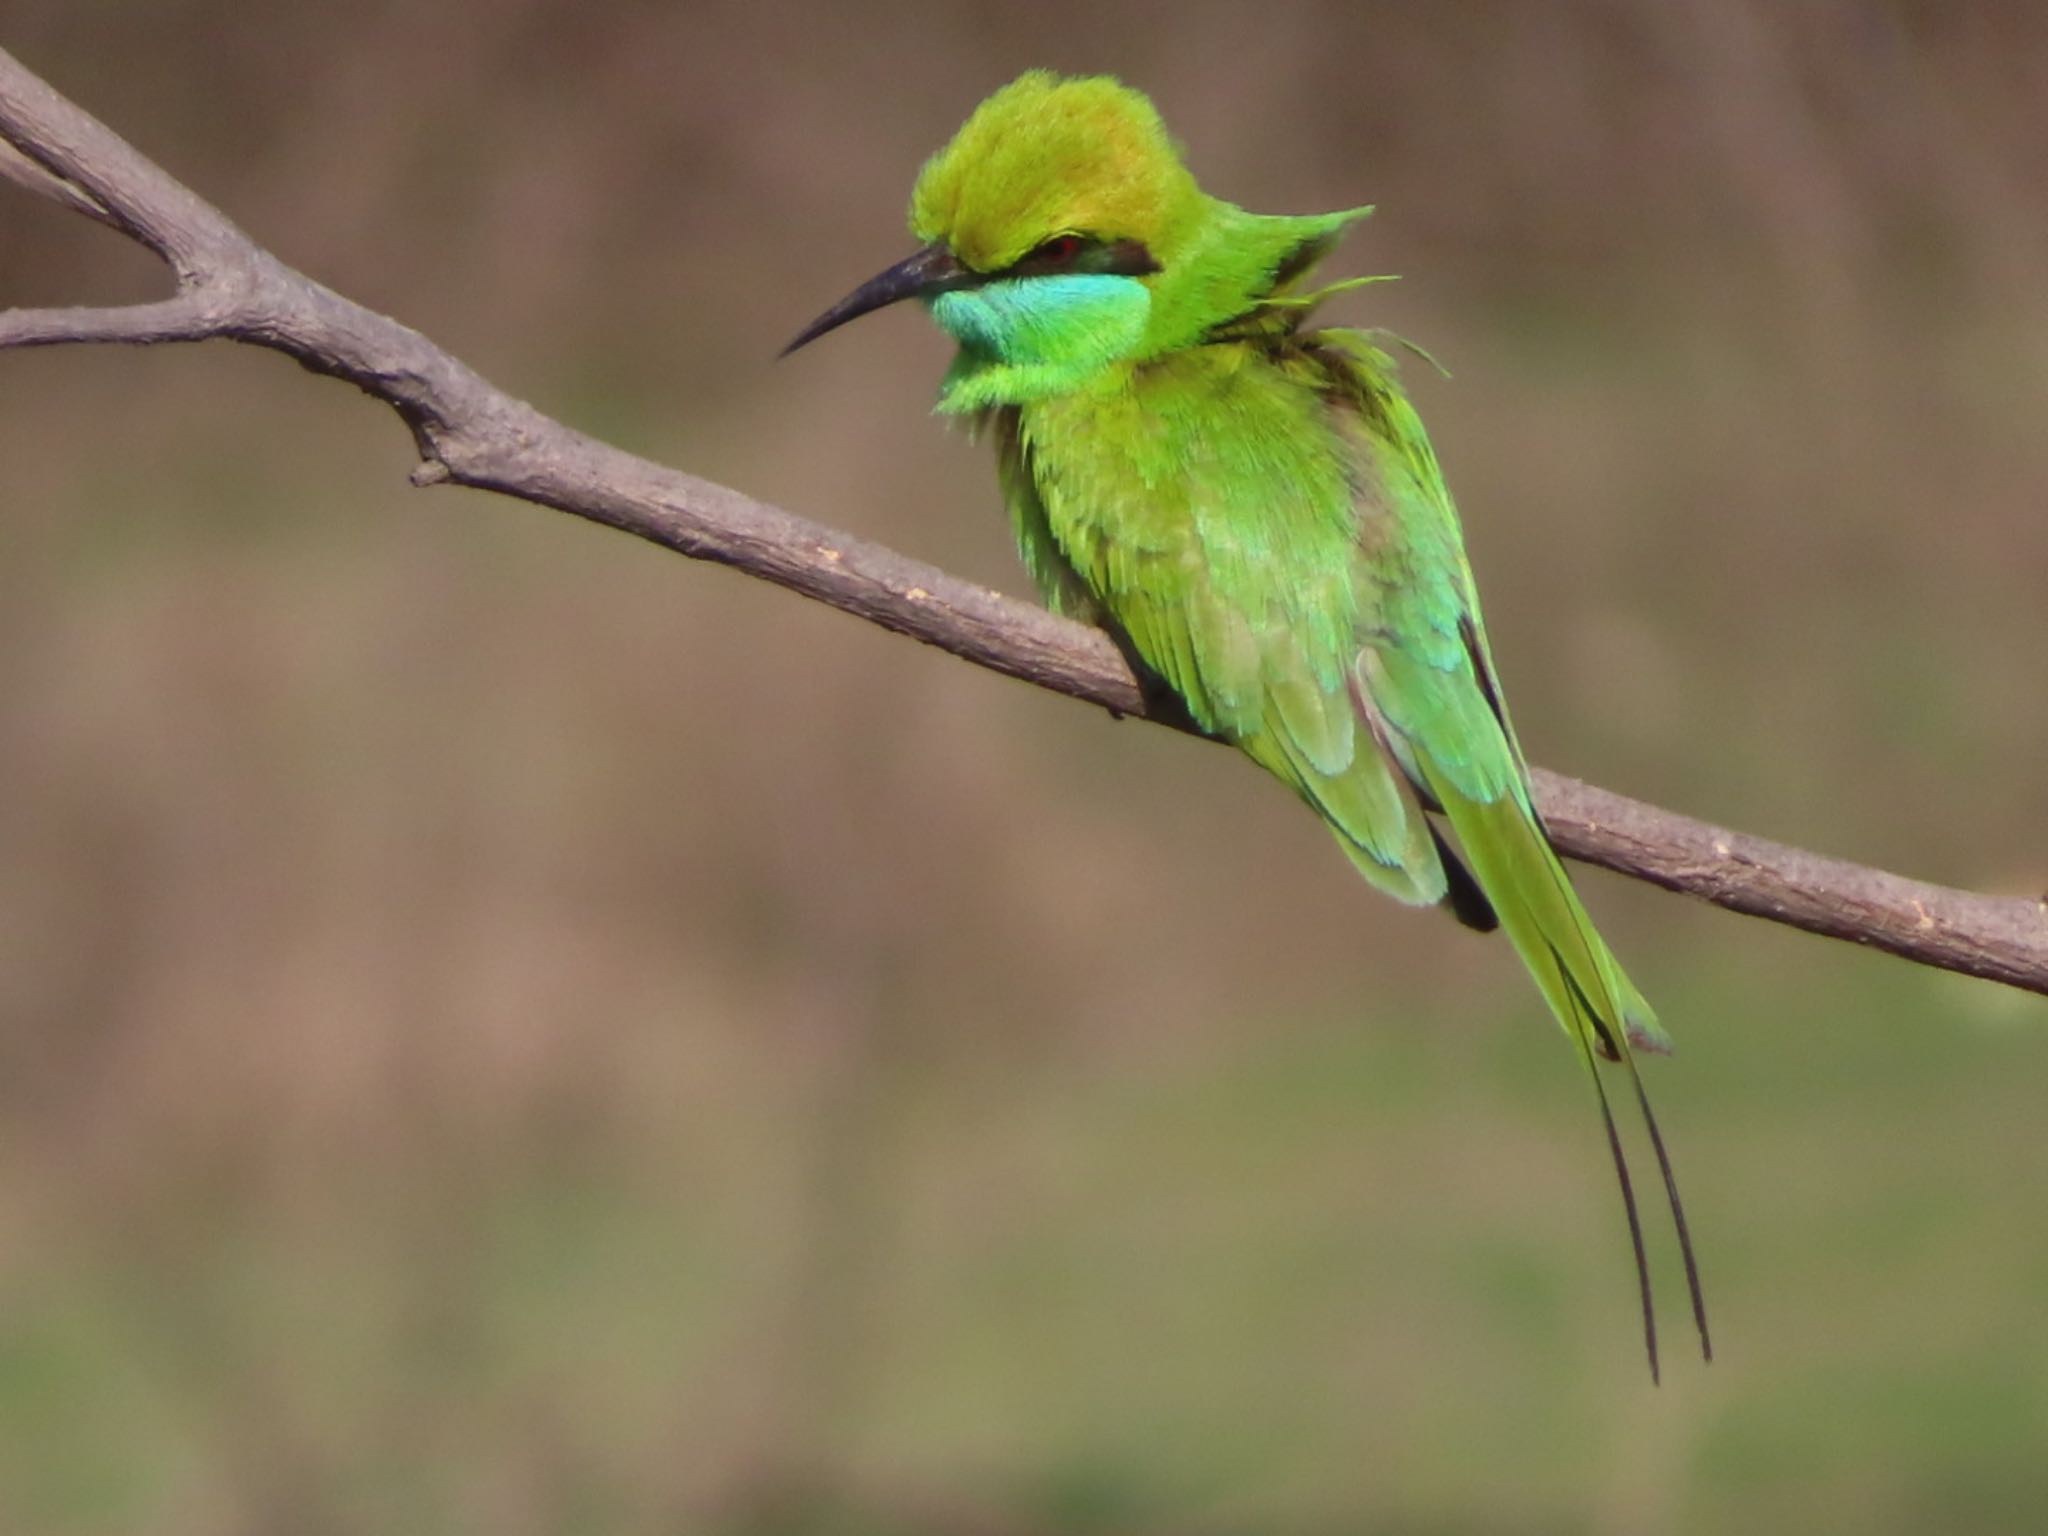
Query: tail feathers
(1635, 1230)
(1589, 993)
(1678, 1222)
(1640, 1023)
(1644, 1290)
(1463, 895)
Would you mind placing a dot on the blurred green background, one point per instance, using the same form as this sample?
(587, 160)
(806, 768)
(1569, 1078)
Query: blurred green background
(504, 1030)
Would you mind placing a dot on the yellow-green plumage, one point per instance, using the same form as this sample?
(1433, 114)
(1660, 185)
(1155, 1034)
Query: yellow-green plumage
(1252, 506)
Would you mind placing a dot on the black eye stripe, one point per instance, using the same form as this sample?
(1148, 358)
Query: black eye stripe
(1086, 254)
(1129, 258)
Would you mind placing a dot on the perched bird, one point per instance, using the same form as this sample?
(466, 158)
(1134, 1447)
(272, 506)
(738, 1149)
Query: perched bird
(1250, 505)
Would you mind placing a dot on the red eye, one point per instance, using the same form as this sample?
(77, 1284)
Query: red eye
(1060, 249)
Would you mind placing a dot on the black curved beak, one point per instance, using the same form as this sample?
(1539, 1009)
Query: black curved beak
(932, 270)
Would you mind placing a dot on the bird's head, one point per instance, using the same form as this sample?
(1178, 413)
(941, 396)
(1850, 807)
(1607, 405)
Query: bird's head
(1063, 237)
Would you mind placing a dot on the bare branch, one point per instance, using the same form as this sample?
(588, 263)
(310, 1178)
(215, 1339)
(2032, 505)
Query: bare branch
(472, 433)
(178, 319)
(18, 168)
(2001, 938)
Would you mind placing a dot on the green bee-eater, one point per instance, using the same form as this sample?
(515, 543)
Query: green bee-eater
(1251, 506)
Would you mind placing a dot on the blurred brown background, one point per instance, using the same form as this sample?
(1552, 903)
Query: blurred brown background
(504, 1030)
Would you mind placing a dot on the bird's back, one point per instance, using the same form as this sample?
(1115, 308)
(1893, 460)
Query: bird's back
(1206, 504)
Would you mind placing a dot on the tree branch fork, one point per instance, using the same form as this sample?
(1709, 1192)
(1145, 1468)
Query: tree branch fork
(471, 433)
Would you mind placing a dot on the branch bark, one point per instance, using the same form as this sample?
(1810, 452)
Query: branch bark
(471, 433)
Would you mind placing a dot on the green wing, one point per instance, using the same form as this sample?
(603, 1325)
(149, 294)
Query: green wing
(1150, 507)
(1426, 676)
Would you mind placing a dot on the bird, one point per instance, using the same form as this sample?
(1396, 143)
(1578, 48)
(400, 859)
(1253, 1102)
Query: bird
(1249, 504)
